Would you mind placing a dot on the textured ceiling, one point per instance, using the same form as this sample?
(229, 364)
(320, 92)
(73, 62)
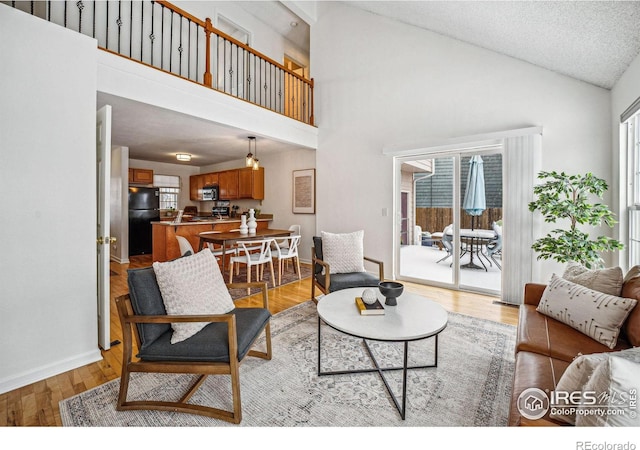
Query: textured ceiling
(593, 41)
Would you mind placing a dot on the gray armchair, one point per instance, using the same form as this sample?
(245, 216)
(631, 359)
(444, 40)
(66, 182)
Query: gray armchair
(328, 282)
(217, 349)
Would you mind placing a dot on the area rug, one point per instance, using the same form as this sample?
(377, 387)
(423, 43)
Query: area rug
(471, 386)
(288, 276)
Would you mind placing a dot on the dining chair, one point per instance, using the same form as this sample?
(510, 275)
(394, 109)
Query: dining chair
(185, 246)
(286, 252)
(283, 243)
(216, 249)
(258, 258)
(187, 249)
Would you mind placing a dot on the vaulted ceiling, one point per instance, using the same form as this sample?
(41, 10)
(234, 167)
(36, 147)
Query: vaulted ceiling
(592, 41)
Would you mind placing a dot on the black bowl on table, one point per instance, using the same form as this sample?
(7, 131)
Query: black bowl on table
(391, 290)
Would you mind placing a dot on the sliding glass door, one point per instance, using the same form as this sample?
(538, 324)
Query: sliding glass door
(454, 218)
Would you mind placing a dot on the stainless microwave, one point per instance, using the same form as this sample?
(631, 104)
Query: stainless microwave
(210, 193)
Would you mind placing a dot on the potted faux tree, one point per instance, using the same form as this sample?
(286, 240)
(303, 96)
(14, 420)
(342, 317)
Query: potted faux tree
(564, 196)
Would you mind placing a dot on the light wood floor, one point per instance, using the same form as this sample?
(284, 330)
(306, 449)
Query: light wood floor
(37, 403)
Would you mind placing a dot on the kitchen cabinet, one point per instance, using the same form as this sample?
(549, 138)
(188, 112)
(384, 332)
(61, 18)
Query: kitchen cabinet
(228, 183)
(141, 176)
(251, 183)
(210, 179)
(196, 183)
(233, 184)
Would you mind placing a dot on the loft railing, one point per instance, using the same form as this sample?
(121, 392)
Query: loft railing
(161, 35)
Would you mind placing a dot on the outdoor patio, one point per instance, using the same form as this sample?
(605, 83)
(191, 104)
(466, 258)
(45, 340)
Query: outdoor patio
(417, 261)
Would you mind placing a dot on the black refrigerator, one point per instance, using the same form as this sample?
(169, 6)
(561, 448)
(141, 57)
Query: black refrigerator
(144, 208)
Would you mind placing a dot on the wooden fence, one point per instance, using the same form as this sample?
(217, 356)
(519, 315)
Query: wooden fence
(436, 219)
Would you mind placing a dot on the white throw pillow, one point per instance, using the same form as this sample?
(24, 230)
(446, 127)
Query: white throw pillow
(343, 252)
(612, 384)
(593, 313)
(608, 280)
(189, 286)
(580, 371)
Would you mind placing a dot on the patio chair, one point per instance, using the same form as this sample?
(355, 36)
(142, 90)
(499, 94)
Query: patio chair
(494, 248)
(447, 242)
(216, 349)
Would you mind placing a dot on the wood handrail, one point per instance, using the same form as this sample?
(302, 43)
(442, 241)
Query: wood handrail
(182, 12)
(228, 65)
(208, 26)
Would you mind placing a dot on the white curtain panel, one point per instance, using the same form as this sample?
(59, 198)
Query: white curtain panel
(521, 163)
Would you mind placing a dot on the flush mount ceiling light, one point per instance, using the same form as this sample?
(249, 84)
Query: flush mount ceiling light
(249, 159)
(183, 157)
(293, 24)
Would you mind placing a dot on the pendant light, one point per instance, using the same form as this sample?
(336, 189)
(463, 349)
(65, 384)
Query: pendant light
(256, 162)
(249, 158)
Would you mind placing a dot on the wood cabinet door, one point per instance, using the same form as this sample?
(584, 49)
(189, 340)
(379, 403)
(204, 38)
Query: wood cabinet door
(143, 176)
(228, 182)
(196, 183)
(251, 183)
(245, 183)
(210, 179)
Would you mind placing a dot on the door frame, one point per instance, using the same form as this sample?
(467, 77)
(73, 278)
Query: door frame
(103, 225)
(457, 153)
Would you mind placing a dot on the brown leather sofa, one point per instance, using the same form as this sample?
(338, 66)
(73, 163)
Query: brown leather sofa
(545, 347)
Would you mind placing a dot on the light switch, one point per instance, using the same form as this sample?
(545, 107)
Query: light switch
(385, 212)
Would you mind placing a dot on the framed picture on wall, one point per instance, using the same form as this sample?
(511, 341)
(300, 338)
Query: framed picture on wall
(304, 191)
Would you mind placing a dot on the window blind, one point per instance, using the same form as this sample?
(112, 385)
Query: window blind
(172, 181)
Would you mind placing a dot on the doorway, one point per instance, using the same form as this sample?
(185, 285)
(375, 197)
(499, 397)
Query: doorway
(456, 216)
(295, 95)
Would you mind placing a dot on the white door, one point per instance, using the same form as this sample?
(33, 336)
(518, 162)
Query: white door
(103, 174)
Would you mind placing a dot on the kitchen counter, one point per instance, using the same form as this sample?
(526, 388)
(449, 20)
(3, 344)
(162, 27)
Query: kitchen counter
(165, 244)
(219, 222)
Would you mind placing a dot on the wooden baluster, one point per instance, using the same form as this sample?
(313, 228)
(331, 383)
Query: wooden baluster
(208, 79)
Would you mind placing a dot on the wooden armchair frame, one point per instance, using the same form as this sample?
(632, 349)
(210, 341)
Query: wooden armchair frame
(327, 275)
(129, 319)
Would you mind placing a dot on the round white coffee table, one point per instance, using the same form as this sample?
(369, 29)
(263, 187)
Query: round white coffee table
(414, 318)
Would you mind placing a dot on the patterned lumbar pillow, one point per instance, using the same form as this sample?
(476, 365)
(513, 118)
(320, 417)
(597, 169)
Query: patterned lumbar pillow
(607, 280)
(343, 252)
(614, 384)
(192, 285)
(578, 374)
(593, 313)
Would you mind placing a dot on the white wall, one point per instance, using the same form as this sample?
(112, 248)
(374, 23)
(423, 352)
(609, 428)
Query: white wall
(48, 307)
(623, 94)
(264, 38)
(381, 83)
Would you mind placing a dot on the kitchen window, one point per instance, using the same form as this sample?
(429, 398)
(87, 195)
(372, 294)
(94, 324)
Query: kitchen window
(169, 189)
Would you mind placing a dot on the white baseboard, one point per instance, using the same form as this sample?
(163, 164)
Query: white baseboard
(41, 373)
(119, 260)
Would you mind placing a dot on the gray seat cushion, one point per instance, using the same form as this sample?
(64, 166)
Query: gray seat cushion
(211, 343)
(340, 281)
